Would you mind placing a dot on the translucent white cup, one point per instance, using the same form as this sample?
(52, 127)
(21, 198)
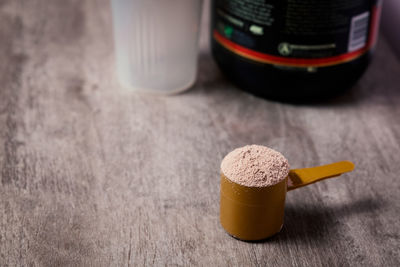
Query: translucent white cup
(156, 43)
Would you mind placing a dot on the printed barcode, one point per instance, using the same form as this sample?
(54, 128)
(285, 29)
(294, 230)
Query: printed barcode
(358, 31)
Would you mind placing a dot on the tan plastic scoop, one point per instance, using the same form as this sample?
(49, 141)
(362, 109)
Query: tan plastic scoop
(255, 213)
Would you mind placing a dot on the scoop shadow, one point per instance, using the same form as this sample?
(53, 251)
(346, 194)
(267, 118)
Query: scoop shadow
(320, 223)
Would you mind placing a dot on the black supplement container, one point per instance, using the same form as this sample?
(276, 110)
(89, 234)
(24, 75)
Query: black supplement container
(294, 50)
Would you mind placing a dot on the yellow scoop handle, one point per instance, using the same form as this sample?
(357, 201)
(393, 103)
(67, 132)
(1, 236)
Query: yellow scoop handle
(302, 177)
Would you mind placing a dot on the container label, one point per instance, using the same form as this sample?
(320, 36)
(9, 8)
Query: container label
(297, 33)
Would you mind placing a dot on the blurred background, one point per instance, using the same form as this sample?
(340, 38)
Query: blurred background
(390, 22)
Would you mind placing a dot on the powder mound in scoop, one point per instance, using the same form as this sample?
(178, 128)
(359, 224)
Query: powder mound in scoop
(255, 166)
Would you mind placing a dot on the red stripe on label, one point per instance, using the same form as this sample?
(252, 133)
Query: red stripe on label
(294, 62)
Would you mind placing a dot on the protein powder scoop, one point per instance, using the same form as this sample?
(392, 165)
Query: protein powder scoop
(254, 182)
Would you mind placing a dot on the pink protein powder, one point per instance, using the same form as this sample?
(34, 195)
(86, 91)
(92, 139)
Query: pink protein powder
(255, 166)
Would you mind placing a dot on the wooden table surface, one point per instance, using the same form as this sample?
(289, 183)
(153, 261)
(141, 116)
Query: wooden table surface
(92, 176)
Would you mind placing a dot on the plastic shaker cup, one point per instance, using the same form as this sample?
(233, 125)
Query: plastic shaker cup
(156, 43)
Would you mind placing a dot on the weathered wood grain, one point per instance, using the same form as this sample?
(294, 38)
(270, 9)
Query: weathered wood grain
(92, 176)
